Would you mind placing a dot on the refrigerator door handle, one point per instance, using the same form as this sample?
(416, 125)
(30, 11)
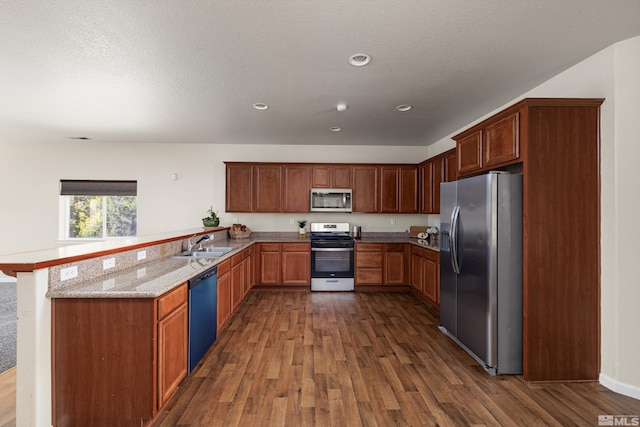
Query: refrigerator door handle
(455, 215)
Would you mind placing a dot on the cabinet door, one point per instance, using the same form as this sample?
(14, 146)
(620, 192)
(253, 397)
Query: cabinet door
(417, 277)
(408, 189)
(269, 264)
(389, 184)
(173, 338)
(501, 141)
(430, 270)
(297, 183)
(237, 281)
(450, 166)
(296, 264)
(239, 188)
(365, 188)
(469, 153)
(394, 268)
(267, 188)
(321, 176)
(438, 177)
(341, 176)
(224, 300)
(426, 184)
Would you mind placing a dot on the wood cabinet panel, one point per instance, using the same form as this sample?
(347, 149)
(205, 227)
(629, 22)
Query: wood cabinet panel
(237, 281)
(224, 298)
(427, 187)
(297, 184)
(267, 191)
(469, 153)
(394, 268)
(270, 264)
(173, 339)
(408, 190)
(331, 176)
(417, 276)
(171, 300)
(501, 141)
(430, 273)
(438, 177)
(296, 267)
(365, 181)
(369, 260)
(389, 194)
(239, 188)
(450, 166)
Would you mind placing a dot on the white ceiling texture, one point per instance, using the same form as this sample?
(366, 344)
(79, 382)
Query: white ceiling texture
(189, 71)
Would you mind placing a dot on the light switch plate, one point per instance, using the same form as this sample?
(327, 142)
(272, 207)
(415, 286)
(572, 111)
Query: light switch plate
(142, 255)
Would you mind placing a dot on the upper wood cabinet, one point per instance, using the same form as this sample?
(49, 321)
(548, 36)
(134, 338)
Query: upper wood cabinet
(496, 144)
(295, 191)
(239, 187)
(558, 143)
(438, 169)
(267, 192)
(365, 180)
(399, 189)
(331, 176)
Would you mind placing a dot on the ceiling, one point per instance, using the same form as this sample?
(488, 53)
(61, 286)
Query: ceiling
(189, 71)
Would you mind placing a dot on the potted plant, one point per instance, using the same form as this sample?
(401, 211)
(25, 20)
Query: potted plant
(212, 219)
(301, 224)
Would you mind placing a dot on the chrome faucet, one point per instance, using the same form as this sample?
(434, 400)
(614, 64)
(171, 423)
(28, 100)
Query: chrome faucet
(191, 246)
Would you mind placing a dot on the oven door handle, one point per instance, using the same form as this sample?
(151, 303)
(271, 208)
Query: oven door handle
(331, 249)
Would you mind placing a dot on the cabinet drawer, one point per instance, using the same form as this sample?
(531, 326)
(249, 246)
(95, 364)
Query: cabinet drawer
(172, 300)
(369, 260)
(269, 247)
(369, 276)
(416, 250)
(236, 259)
(224, 267)
(429, 254)
(296, 247)
(369, 247)
(394, 247)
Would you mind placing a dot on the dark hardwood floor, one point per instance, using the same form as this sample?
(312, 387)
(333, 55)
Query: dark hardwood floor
(297, 358)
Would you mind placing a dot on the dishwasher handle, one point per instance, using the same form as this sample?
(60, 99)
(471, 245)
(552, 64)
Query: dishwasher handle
(195, 281)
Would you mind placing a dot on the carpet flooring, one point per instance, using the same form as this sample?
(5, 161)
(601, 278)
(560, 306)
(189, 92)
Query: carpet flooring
(8, 318)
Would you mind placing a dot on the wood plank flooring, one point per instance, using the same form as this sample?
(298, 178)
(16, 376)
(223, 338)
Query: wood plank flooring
(8, 398)
(295, 358)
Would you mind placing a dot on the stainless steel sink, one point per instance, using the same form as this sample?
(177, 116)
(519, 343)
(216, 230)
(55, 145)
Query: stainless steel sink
(209, 252)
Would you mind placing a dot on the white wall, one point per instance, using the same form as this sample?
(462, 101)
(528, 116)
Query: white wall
(31, 173)
(611, 74)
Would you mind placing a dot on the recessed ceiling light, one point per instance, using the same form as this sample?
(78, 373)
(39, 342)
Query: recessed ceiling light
(404, 107)
(335, 129)
(260, 106)
(83, 138)
(359, 59)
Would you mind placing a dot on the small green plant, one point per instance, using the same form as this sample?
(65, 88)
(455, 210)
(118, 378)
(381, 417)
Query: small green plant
(302, 223)
(211, 220)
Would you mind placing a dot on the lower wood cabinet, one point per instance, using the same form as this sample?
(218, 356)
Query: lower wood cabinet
(284, 264)
(224, 293)
(382, 264)
(425, 273)
(116, 361)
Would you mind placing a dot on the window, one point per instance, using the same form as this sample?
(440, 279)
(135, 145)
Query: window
(98, 209)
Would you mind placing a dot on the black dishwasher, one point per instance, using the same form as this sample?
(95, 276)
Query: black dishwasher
(203, 311)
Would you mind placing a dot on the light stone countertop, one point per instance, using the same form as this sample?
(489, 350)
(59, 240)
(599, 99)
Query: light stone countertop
(154, 278)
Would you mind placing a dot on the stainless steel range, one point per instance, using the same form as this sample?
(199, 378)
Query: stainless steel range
(332, 250)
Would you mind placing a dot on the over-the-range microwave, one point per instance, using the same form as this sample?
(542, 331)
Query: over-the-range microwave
(330, 200)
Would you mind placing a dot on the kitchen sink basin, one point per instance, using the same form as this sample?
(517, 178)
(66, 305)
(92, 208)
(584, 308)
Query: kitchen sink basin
(210, 252)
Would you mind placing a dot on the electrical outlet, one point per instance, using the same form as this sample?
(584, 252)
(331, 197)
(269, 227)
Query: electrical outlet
(68, 273)
(393, 221)
(108, 263)
(142, 255)
(108, 284)
(141, 272)
(290, 220)
(235, 220)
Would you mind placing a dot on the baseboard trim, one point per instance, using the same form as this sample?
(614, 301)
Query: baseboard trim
(620, 387)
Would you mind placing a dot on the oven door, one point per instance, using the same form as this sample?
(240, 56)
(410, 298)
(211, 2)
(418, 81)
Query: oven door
(332, 262)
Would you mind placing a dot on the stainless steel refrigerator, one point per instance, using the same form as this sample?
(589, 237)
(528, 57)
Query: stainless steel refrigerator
(481, 268)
